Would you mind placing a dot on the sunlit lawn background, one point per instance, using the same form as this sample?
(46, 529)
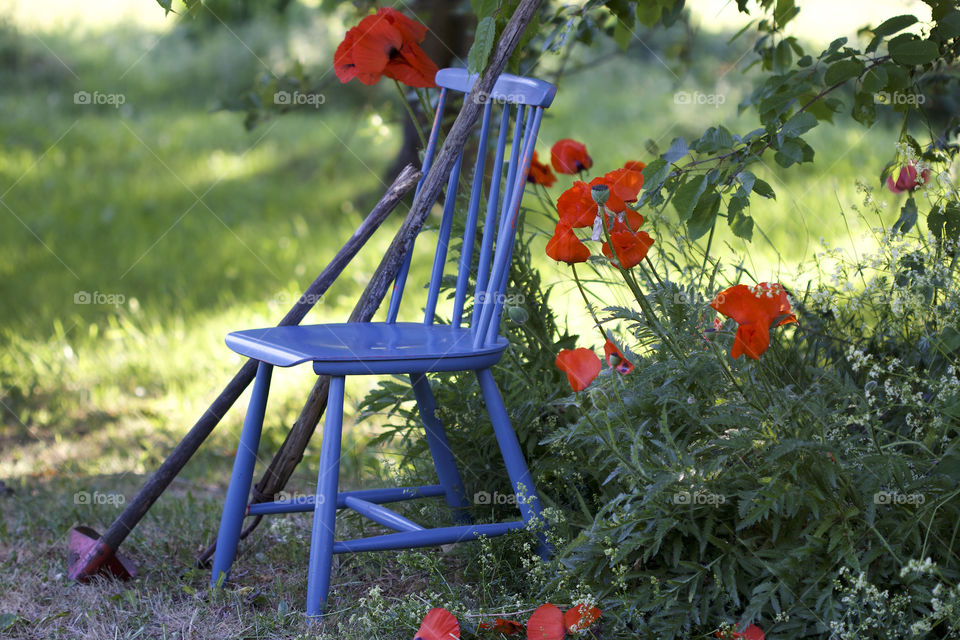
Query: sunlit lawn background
(188, 226)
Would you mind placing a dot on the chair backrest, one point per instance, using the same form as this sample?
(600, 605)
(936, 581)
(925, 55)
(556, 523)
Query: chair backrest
(495, 183)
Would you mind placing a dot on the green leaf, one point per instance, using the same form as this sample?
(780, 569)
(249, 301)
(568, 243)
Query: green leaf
(764, 189)
(897, 77)
(784, 12)
(714, 139)
(166, 5)
(482, 45)
(7, 620)
(908, 50)
(945, 222)
(648, 13)
(655, 172)
(704, 215)
(622, 34)
(799, 124)
(842, 71)
(484, 8)
(894, 24)
(782, 57)
(789, 153)
(908, 217)
(874, 80)
(686, 196)
(678, 149)
(949, 25)
(864, 108)
(740, 223)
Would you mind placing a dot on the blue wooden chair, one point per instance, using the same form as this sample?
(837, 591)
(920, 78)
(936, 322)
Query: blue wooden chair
(392, 347)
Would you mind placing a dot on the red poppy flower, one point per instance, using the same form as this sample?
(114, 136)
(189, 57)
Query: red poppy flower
(546, 623)
(438, 624)
(540, 173)
(385, 43)
(569, 156)
(616, 361)
(630, 223)
(506, 627)
(581, 366)
(631, 248)
(907, 180)
(755, 310)
(635, 165)
(625, 185)
(565, 246)
(576, 207)
(752, 632)
(580, 617)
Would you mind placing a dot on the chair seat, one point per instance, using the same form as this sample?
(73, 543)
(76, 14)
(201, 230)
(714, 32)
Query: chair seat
(358, 348)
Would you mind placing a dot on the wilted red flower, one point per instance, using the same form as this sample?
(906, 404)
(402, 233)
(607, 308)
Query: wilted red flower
(570, 156)
(385, 43)
(540, 173)
(546, 623)
(438, 624)
(907, 180)
(576, 207)
(580, 617)
(581, 366)
(565, 246)
(506, 627)
(755, 310)
(616, 361)
(631, 248)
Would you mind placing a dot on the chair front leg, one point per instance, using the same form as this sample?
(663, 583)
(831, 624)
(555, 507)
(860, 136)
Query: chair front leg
(520, 479)
(325, 505)
(238, 491)
(443, 459)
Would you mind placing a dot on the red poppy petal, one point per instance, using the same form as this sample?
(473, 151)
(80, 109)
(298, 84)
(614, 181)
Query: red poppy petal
(569, 156)
(565, 246)
(410, 29)
(752, 340)
(540, 173)
(546, 623)
(630, 248)
(412, 67)
(752, 632)
(576, 207)
(580, 617)
(438, 624)
(506, 627)
(581, 366)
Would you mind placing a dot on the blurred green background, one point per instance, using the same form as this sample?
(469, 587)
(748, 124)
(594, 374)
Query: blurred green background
(134, 236)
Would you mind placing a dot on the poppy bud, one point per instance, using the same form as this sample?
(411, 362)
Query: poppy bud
(600, 193)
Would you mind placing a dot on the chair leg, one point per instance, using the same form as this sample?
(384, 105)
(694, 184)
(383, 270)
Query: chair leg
(238, 491)
(520, 479)
(443, 460)
(325, 510)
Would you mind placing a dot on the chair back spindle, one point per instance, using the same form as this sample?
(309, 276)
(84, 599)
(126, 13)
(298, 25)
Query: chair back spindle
(495, 183)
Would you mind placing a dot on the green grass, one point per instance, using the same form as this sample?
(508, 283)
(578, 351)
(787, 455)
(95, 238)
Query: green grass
(188, 227)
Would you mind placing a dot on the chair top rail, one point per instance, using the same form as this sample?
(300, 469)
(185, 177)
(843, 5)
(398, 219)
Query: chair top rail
(508, 88)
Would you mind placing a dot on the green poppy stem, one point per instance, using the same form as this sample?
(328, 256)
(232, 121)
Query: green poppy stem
(596, 321)
(413, 116)
(645, 306)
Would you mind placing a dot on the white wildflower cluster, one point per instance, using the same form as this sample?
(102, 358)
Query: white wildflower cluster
(873, 613)
(924, 567)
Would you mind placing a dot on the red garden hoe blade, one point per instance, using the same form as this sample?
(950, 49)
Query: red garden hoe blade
(88, 556)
